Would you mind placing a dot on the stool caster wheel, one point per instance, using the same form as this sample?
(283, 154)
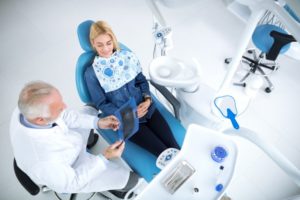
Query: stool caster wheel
(268, 90)
(227, 60)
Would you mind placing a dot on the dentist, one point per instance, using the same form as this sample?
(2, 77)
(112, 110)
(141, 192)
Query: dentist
(49, 145)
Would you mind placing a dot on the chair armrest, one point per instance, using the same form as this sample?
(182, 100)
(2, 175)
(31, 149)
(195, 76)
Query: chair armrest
(170, 97)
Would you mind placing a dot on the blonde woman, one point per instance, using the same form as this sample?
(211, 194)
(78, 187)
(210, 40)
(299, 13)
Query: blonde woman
(114, 77)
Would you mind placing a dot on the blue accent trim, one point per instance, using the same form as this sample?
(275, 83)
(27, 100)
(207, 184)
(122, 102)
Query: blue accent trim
(231, 116)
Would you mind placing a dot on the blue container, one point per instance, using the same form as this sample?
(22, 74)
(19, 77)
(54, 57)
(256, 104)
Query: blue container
(218, 154)
(219, 187)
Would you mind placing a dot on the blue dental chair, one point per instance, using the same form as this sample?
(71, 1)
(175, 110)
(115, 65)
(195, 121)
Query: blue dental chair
(139, 159)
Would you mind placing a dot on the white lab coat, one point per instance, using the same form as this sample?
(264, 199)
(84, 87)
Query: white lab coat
(57, 157)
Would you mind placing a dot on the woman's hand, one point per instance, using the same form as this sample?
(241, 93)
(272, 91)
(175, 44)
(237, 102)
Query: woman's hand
(110, 122)
(115, 150)
(142, 108)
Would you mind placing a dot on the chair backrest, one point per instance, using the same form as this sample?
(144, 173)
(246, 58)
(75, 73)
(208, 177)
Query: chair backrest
(280, 40)
(25, 181)
(86, 59)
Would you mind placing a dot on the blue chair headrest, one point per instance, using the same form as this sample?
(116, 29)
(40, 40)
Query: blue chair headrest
(83, 32)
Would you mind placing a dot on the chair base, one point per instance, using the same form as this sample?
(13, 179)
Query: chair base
(256, 64)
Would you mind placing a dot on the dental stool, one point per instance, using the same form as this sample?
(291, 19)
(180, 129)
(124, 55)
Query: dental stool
(139, 159)
(271, 40)
(34, 189)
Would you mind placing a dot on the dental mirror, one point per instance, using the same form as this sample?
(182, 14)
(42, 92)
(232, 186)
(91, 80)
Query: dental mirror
(227, 107)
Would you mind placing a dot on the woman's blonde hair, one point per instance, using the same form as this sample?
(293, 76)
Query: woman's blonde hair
(101, 27)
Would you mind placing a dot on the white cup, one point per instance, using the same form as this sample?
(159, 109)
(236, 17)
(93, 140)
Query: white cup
(253, 85)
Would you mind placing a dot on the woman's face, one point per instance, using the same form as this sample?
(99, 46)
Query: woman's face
(103, 45)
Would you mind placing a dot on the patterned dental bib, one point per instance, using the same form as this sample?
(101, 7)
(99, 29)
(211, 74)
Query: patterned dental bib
(117, 70)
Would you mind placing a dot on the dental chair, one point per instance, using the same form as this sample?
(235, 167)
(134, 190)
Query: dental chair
(271, 40)
(139, 159)
(34, 189)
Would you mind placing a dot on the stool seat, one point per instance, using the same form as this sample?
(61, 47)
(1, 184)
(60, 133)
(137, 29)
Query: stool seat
(262, 40)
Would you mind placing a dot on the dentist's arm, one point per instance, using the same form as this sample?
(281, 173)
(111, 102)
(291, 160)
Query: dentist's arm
(110, 122)
(115, 150)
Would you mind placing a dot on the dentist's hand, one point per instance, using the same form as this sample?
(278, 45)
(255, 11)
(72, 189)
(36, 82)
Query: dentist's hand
(142, 109)
(110, 122)
(115, 150)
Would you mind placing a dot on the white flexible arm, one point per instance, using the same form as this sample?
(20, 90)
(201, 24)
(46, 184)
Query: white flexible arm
(270, 150)
(155, 11)
(162, 33)
(246, 36)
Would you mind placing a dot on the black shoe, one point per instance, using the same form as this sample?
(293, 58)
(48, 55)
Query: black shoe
(93, 140)
(119, 194)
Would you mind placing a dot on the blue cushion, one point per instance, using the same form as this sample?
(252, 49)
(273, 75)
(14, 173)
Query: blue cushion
(139, 159)
(176, 127)
(85, 60)
(262, 39)
(83, 32)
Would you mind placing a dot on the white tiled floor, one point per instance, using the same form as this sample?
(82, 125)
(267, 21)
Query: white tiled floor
(38, 41)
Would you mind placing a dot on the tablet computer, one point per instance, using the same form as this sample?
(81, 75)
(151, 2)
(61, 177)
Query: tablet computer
(129, 122)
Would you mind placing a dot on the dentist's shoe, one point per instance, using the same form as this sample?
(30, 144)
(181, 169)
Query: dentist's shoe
(93, 138)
